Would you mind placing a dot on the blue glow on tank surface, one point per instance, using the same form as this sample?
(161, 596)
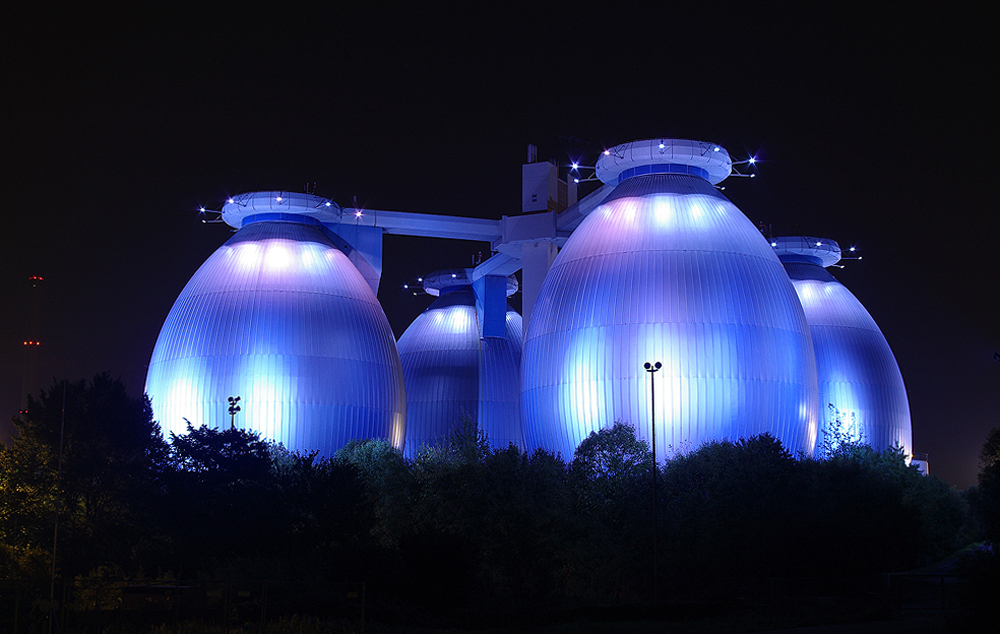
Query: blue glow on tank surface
(280, 317)
(861, 389)
(453, 372)
(667, 269)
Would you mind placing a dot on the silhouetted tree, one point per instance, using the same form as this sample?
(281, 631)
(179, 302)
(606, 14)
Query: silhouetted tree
(113, 461)
(220, 502)
(987, 499)
(729, 509)
(526, 529)
(857, 524)
(27, 508)
(312, 523)
(980, 568)
(387, 482)
(463, 529)
(612, 460)
(611, 481)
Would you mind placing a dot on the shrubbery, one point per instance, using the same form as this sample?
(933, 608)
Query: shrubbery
(463, 527)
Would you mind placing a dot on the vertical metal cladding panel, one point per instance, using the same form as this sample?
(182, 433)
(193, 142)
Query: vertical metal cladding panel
(440, 356)
(667, 269)
(280, 317)
(451, 373)
(500, 385)
(857, 371)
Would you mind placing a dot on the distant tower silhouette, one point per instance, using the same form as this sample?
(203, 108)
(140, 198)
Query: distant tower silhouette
(32, 339)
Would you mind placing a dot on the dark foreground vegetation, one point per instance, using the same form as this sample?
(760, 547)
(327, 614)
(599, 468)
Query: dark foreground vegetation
(219, 522)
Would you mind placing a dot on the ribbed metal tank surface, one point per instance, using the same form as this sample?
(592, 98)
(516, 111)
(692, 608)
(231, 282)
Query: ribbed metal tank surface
(667, 269)
(453, 373)
(859, 380)
(281, 318)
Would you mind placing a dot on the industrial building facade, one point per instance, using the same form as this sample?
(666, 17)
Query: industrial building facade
(655, 266)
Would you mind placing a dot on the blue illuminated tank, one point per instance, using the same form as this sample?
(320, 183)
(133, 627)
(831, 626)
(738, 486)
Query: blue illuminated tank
(280, 317)
(667, 269)
(453, 373)
(861, 391)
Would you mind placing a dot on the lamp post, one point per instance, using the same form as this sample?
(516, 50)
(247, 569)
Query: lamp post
(652, 369)
(233, 409)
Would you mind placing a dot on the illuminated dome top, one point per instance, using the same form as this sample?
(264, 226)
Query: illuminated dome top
(280, 317)
(667, 269)
(277, 205)
(454, 278)
(822, 251)
(664, 156)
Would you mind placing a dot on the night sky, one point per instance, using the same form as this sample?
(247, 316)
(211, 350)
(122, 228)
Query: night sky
(872, 127)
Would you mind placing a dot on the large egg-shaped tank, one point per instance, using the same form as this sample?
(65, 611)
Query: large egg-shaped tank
(667, 269)
(861, 391)
(280, 317)
(455, 374)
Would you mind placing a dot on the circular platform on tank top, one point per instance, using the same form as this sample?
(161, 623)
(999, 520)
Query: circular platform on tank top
(822, 251)
(664, 156)
(277, 205)
(454, 278)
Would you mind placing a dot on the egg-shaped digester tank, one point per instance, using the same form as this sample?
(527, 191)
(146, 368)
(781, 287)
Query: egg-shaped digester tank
(280, 317)
(453, 373)
(861, 392)
(667, 269)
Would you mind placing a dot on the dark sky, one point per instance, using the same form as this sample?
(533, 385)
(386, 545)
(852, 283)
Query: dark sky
(874, 128)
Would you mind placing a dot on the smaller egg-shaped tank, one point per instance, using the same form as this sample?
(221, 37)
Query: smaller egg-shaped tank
(862, 396)
(453, 373)
(280, 317)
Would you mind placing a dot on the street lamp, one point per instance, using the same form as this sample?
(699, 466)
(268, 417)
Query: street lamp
(233, 409)
(653, 368)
